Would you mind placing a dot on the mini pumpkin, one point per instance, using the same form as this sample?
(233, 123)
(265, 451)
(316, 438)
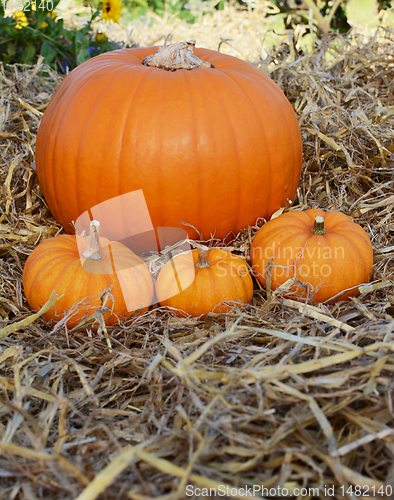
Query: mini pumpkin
(325, 253)
(56, 264)
(199, 142)
(204, 281)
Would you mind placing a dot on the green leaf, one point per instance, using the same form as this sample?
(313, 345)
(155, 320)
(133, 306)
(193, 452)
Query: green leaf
(44, 8)
(63, 31)
(81, 46)
(48, 53)
(361, 12)
(28, 54)
(8, 29)
(10, 49)
(142, 3)
(95, 14)
(306, 43)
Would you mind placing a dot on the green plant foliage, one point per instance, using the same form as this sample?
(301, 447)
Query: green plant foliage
(38, 31)
(333, 15)
(362, 12)
(189, 10)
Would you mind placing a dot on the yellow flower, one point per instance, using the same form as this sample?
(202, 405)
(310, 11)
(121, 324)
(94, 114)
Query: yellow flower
(20, 16)
(110, 11)
(100, 37)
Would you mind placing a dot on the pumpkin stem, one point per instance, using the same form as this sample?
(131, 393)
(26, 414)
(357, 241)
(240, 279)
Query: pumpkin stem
(318, 226)
(203, 258)
(176, 56)
(92, 251)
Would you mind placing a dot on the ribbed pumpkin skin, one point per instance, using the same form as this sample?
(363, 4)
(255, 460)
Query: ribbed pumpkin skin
(55, 265)
(227, 279)
(330, 263)
(216, 148)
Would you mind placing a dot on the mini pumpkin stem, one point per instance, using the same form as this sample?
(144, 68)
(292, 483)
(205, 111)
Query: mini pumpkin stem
(176, 56)
(318, 226)
(203, 258)
(92, 251)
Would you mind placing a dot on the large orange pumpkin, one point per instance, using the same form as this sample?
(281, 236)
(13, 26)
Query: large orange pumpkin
(204, 281)
(215, 147)
(325, 253)
(79, 272)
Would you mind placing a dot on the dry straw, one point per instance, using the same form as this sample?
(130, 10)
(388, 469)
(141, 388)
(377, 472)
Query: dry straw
(280, 394)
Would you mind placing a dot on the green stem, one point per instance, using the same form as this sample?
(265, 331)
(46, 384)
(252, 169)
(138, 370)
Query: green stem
(318, 16)
(333, 10)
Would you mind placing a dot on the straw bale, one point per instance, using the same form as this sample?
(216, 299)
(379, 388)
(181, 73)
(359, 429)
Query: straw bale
(279, 394)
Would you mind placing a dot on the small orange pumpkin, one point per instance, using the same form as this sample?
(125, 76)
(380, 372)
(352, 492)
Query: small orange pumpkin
(56, 265)
(204, 281)
(326, 253)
